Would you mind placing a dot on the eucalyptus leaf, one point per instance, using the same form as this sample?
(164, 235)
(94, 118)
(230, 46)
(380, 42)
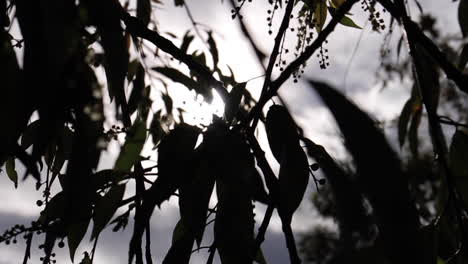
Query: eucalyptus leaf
(11, 171)
(106, 208)
(130, 152)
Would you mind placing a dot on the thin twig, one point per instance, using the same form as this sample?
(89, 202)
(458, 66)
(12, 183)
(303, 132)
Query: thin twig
(276, 50)
(308, 52)
(138, 29)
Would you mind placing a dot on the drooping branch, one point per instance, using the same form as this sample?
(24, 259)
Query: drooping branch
(276, 50)
(308, 52)
(138, 29)
(419, 37)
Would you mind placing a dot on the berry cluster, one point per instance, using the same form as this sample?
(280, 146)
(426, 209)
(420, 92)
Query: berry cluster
(377, 22)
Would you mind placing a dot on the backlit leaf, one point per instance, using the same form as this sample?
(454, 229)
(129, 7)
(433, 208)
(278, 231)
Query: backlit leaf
(11, 171)
(320, 15)
(345, 21)
(463, 17)
(130, 152)
(213, 49)
(136, 95)
(458, 161)
(106, 208)
(75, 234)
(463, 57)
(380, 176)
(30, 134)
(281, 130)
(403, 121)
(186, 41)
(293, 179)
(177, 76)
(86, 259)
(144, 11)
(181, 249)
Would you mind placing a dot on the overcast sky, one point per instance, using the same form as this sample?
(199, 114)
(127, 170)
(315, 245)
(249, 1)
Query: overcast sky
(18, 206)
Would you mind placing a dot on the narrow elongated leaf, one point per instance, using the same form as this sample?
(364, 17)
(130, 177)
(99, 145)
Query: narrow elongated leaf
(281, 130)
(413, 137)
(182, 243)
(144, 11)
(137, 92)
(403, 121)
(380, 176)
(186, 41)
(345, 21)
(175, 152)
(130, 152)
(463, 58)
(106, 208)
(458, 163)
(232, 105)
(463, 17)
(177, 76)
(234, 221)
(213, 49)
(320, 15)
(293, 179)
(30, 134)
(75, 234)
(11, 171)
(54, 210)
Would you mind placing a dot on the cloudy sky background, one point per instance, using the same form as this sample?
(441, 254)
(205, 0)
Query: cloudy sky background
(360, 84)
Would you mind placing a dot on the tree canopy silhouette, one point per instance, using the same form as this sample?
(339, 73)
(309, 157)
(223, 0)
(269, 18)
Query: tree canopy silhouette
(52, 54)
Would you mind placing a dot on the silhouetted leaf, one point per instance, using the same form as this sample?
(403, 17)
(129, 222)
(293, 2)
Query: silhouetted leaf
(75, 234)
(181, 249)
(179, 2)
(103, 178)
(30, 134)
(320, 15)
(177, 76)
(234, 221)
(144, 11)
(346, 20)
(194, 196)
(234, 225)
(55, 209)
(11, 171)
(132, 69)
(213, 49)
(186, 42)
(403, 121)
(232, 105)
(137, 92)
(413, 131)
(258, 188)
(380, 176)
(86, 259)
(106, 208)
(281, 130)
(458, 163)
(337, 3)
(293, 179)
(130, 152)
(463, 17)
(463, 57)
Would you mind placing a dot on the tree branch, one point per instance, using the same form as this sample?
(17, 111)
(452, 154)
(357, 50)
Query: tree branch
(279, 37)
(419, 37)
(138, 29)
(308, 52)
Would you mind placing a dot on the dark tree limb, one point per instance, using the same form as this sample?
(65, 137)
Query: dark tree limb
(419, 37)
(308, 52)
(138, 29)
(276, 51)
